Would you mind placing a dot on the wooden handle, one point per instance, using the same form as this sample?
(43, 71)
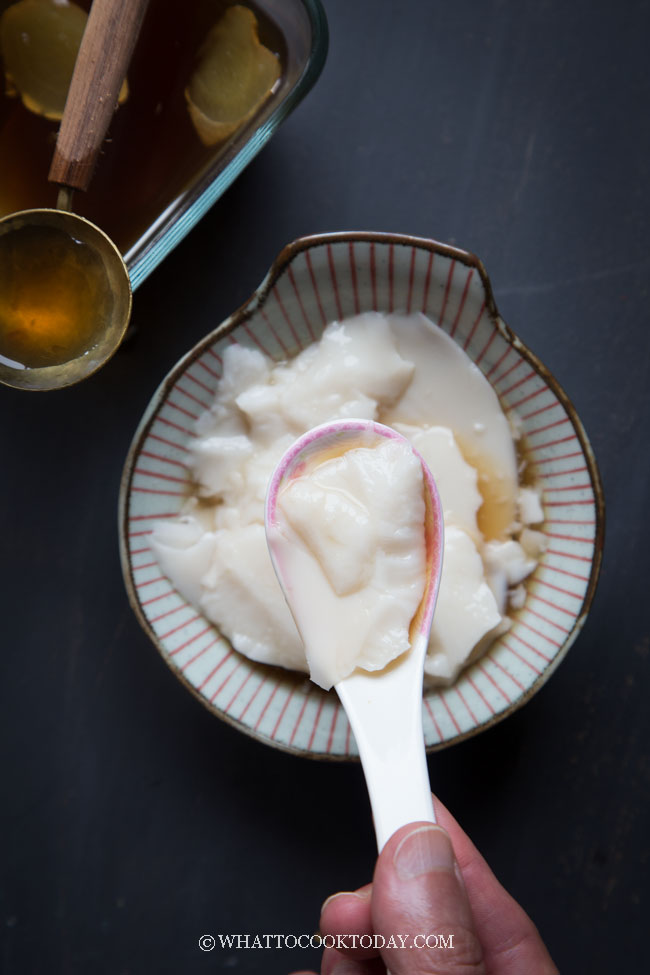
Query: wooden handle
(102, 62)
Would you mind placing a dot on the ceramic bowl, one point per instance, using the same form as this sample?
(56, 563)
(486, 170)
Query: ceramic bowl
(314, 281)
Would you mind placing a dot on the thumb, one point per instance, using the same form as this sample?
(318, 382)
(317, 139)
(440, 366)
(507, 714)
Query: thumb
(419, 899)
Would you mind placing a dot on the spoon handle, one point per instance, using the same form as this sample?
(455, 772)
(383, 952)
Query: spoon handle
(105, 51)
(385, 713)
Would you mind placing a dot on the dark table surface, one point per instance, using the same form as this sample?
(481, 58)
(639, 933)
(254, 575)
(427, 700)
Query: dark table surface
(133, 821)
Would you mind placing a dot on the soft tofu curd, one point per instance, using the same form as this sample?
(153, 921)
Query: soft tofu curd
(405, 372)
(348, 536)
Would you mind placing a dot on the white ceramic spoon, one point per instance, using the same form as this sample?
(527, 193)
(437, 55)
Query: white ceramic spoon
(385, 707)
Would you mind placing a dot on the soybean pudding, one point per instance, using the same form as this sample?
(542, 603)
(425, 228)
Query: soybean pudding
(402, 371)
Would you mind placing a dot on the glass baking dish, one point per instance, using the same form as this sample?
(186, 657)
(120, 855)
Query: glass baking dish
(155, 179)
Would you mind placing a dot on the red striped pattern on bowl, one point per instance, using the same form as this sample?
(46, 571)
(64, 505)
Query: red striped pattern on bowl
(314, 281)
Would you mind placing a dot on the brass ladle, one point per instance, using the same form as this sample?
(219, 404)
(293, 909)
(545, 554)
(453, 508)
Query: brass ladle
(65, 293)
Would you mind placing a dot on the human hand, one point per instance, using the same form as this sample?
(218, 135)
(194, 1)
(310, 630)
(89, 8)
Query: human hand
(423, 886)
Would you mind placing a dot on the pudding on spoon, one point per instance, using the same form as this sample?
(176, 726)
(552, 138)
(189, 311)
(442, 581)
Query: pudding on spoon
(354, 528)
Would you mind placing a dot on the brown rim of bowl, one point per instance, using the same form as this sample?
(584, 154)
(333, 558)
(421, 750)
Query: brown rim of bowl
(245, 312)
